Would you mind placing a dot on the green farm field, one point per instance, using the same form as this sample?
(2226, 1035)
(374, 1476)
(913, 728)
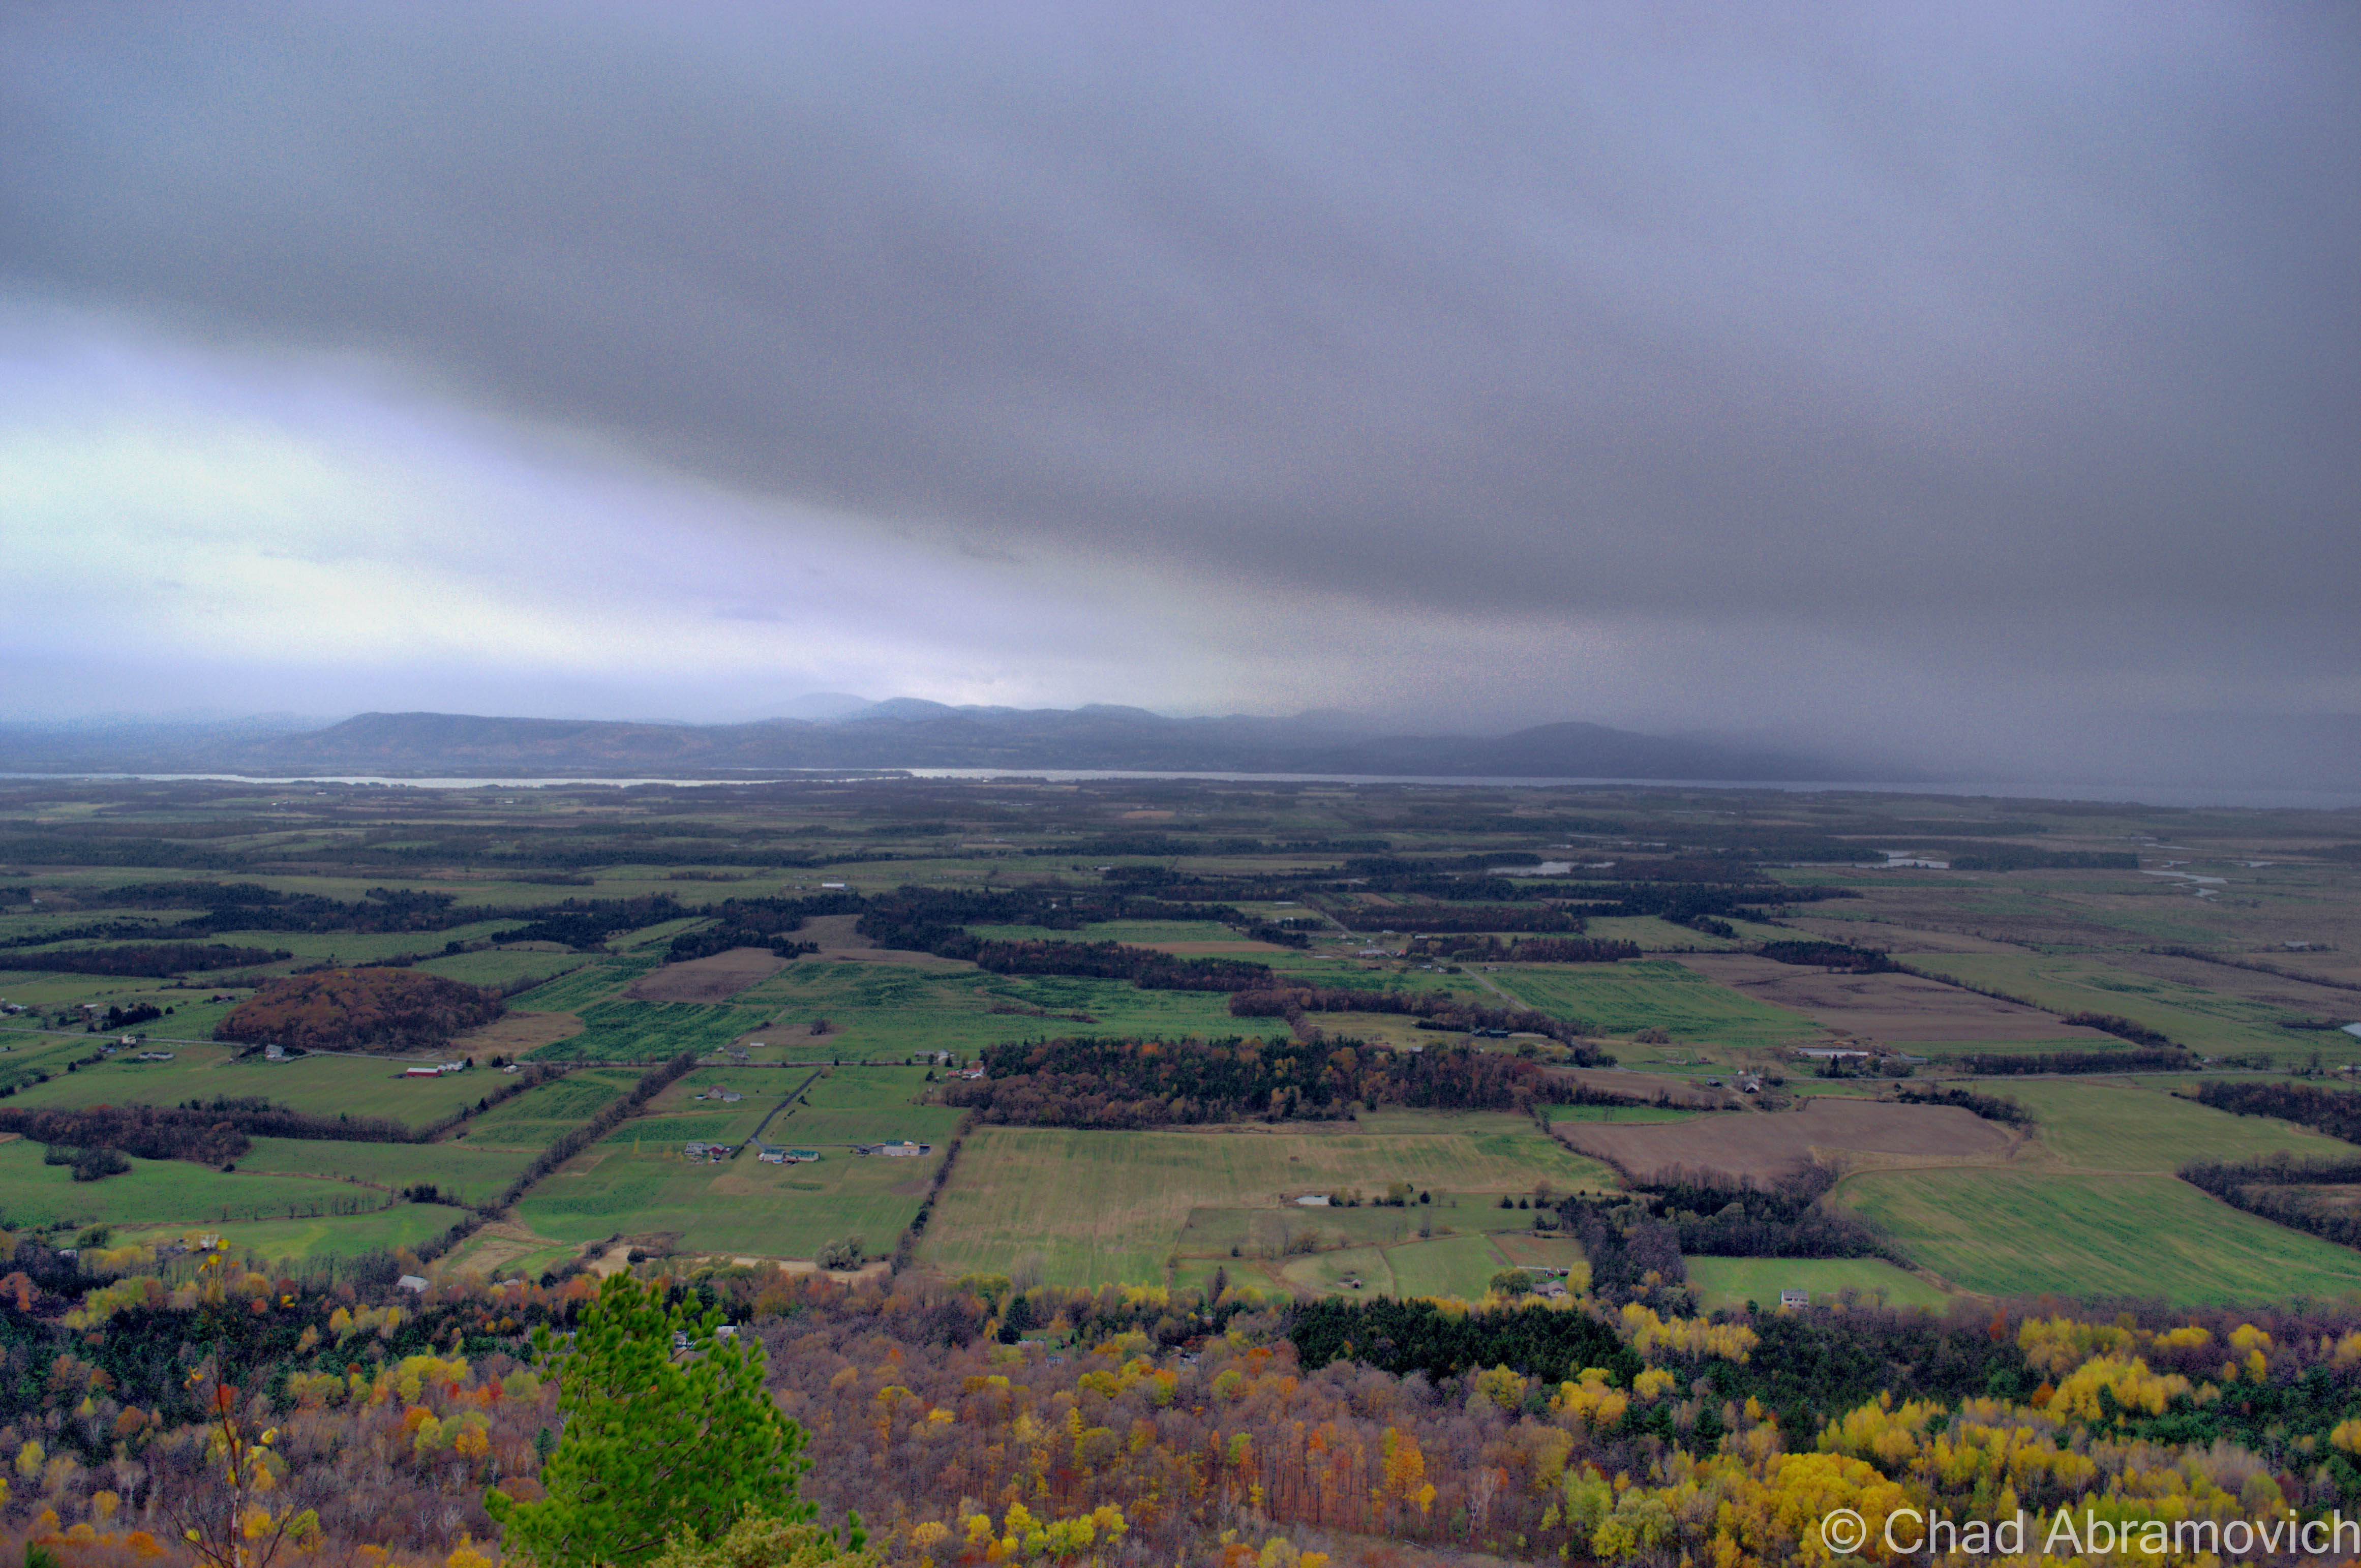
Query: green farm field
(885, 1010)
(724, 1124)
(737, 1207)
(636, 1183)
(539, 1117)
(155, 1191)
(2009, 1232)
(2208, 1021)
(350, 948)
(651, 1031)
(994, 1217)
(1558, 1113)
(1728, 1283)
(27, 1059)
(1272, 1234)
(1459, 1267)
(2127, 1125)
(579, 989)
(501, 966)
(319, 1083)
(1626, 998)
(460, 1170)
(340, 1235)
(1658, 936)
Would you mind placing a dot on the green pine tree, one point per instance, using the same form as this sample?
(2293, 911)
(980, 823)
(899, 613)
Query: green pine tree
(657, 1443)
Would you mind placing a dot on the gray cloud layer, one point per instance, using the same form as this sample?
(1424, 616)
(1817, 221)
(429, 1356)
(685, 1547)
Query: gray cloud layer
(2021, 339)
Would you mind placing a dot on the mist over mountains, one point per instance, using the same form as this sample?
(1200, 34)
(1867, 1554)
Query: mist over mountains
(903, 733)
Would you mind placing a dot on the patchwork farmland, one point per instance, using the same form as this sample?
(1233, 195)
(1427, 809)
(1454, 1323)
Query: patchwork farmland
(831, 1019)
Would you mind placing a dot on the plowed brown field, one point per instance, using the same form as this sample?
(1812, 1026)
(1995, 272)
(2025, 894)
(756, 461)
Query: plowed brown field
(1901, 1008)
(1764, 1144)
(716, 979)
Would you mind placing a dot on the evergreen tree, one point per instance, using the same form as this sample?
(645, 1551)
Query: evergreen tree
(659, 1441)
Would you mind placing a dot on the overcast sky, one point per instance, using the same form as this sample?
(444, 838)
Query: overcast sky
(1952, 379)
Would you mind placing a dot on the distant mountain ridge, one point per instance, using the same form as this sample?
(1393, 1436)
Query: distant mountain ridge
(906, 732)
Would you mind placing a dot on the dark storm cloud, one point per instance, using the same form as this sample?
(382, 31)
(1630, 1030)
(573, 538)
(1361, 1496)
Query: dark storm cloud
(2009, 335)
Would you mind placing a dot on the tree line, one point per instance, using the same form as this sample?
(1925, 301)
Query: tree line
(1526, 950)
(2337, 1111)
(2263, 1187)
(1991, 1108)
(1412, 917)
(1829, 954)
(2011, 858)
(150, 1132)
(1445, 1009)
(1996, 1064)
(760, 923)
(155, 960)
(1094, 1082)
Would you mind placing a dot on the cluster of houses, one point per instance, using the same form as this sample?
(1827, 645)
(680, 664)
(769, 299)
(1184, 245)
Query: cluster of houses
(778, 1153)
(781, 1154)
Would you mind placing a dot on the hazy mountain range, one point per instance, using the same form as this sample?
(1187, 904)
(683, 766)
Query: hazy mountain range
(900, 733)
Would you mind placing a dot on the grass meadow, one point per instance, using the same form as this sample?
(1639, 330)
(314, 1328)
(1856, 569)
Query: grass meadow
(2129, 1125)
(1625, 998)
(1558, 1113)
(156, 1191)
(2014, 1232)
(2209, 1020)
(461, 1171)
(319, 1083)
(404, 1224)
(1732, 1282)
(651, 1031)
(636, 1182)
(539, 1117)
(1099, 1207)
(878, 1010)
(739, 1206)
(580, 988)
(502, 966)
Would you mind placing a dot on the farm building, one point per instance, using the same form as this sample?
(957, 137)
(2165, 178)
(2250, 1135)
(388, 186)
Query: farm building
(774, 1155)
(1794, 1297)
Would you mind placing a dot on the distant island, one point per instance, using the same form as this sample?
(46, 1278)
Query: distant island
(899, 733)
